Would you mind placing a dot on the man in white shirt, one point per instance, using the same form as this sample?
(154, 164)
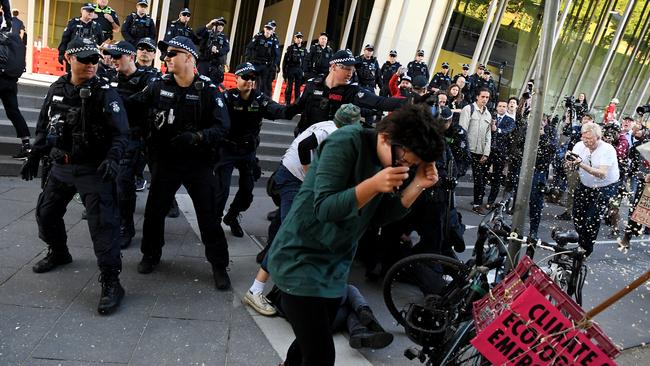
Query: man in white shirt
(598, 170)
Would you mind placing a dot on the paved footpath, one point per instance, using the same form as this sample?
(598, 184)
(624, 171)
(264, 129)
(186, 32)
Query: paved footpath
(174, 316)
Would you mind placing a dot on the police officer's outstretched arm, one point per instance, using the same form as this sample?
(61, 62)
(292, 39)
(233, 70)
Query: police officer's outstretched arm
(273, 110)
(366, 99)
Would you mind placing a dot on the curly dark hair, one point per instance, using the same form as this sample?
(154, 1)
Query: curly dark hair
(415, 128)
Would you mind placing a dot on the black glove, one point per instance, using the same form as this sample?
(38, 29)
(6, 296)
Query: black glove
(291, 111)
(29, 170)
(61, 60)
(108, 170)
(185, 139)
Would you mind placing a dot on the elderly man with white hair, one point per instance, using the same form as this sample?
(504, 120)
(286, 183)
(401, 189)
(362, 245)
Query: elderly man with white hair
(598, 169)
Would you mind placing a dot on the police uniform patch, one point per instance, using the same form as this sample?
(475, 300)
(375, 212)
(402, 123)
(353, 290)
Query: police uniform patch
(220, 102)
(361, 94)
(165, 93)
(115, 107)
(265, 103)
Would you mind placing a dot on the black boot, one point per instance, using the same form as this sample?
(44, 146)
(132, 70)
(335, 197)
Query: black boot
(174, 211)
(53, 259)
(366, 338)
(112, 292)
(231, 219)
(147, 264)
(221, 278)
(368, 320)
(24, 150)
(127, 232)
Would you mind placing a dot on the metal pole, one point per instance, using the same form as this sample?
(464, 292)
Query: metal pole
(494, 31)
(288, 39)
(573, 62)
(599, 33)
(258, 17)
(532, 132)
(633, 56)
(636, 79)
(645, 89)
(314, 18)
(162, 26)
(612, 50)
(46, 22)
(482, 36)
(558, 30)
(29, 56)
(233, 28)
(348, 24)
(442, 33)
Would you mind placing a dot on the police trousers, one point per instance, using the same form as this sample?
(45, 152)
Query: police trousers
(99, 198)
(294, 81)
(126, 182)
(201, 184)
(245, 164)
(265, 76)
(212, 70)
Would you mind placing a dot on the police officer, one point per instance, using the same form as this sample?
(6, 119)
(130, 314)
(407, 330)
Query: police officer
(146, 53)
(465, 74)
(474, 81)
(139, 24)
(187, 123)
(106, 17)
(181, 27)
(441, 80)
(83, 127)
(323, 96)
(130, 80)
(84, 27)
(263, 51)
(417, 66)
(247, 106)
(292, 65)
(215, 45)
(388, 69)
(317, 61)
(367, 71)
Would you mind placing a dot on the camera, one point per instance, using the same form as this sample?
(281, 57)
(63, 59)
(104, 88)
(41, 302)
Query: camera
(643, 109)
(569, 101)
(572, 157)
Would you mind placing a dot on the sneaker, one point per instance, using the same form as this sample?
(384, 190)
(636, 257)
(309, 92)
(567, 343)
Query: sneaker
(147, 264)
(565, 216)
(52, 260)
(23, 151)
(112, 293)
(478, 210)
(77, 198)
(140, 184)
(174, 211)
(624, 243)
(259, 303)
(232, 220)
(221, 278)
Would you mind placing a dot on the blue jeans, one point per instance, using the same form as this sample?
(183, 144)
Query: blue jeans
(536, 203)
(244, 162)
(589, 207)
(289, 186)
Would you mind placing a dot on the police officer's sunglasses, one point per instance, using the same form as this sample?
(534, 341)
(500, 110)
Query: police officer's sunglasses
(148, 49)
(248, 77)
(186, 14)
(94, 59)
(174, 53)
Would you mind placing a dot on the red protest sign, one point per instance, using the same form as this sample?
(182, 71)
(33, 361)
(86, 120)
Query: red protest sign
(533, 332)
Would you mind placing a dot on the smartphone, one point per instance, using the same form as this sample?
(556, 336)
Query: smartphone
(394, 155)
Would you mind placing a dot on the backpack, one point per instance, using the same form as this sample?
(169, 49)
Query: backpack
(12, 55)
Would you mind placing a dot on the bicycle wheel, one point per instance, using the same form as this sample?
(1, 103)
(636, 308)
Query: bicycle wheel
(429, 280)
(458, 351)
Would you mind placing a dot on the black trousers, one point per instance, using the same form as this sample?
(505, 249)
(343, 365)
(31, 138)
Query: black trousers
(100, 201)
(212, 70)
(245, 163)
(294, 81)
(201, 184)
(265, 76)
(126, 182)
(8, 95)
(311, 319)
(479, 173)
(497, 160)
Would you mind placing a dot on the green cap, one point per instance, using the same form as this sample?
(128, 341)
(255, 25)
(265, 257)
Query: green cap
(347, 114)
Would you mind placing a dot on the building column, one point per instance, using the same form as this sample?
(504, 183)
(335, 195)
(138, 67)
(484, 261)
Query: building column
(258, 17)
(153, 10)
(481, 38)
(632, 58)
(612, 50)
(642, 93)
(442, 33)
(314, 18)
(162, 27)
(46, 22)
(233, 29)
(29, 28)
(494, 31)
(288, 39)
(348, 24)
(400, 24)
(377, 41)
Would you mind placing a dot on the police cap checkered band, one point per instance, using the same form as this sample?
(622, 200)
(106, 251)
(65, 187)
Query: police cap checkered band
(179, 42)
(82, 47)
(466, 66)
(148, 42)
(88, 6)
(121, 48)
(343, 57)
(393, 53)
(421, 53)
(445, 64)
(245, 69)
(143, 3)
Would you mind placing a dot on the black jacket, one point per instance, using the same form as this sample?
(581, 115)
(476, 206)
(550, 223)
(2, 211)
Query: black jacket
(77, 28)
(209, 38)
(136, 27)
(317, 61)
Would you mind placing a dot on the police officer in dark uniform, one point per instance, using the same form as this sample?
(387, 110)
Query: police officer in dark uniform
(247, 107)
(474, 81)
(130, 80)
(214, 46)
(187, 123)
(146, 53)
(139, 24)
(441, 80)
(417, 66)
(323, 96)
(388, 69)
(317, 61)
(106, 17)
(292, 65)
(263, 51)
(485, 81)
(83, 128)
(368, 77)
(468, 84)
(181, 27)
(83, 27)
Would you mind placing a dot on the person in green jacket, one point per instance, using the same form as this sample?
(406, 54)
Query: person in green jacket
(354, 181)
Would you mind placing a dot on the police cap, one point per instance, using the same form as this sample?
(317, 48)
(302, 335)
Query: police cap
(88, 6)
(270, 24)
(420, 52)
(186, 12)
(445, 65)
(325, 34)
(486, 72)
(481, 67)
(144, 3)
(465, 66)
(369, 47)
(446, 113)
(245, 68)
(146, 41)
(82, 48)
(420, 82)
(343, 57)
(121, 48)
(298, 35)
(179, 42)
(392, 53)
(221, 21)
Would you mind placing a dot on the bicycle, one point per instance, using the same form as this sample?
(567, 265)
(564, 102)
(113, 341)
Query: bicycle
(432, 295)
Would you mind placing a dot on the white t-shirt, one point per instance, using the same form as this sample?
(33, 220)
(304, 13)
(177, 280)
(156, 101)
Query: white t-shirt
(291, 160)
(605, 154)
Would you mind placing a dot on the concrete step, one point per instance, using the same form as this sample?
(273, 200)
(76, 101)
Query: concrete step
(29, 114)
(30, 89)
